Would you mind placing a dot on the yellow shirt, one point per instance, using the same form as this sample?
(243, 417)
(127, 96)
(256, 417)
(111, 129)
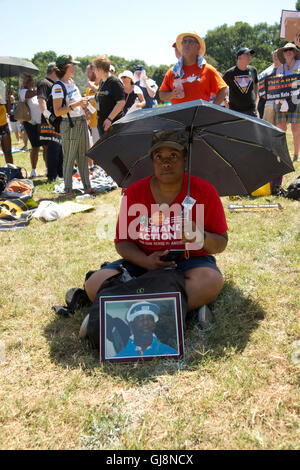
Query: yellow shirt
(93, 118)
(3, 119)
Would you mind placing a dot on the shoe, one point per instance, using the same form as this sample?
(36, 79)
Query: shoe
(83, 328)
(204, 317)
(25, 148)
(33, 173)
(295, 159)
(46, 171)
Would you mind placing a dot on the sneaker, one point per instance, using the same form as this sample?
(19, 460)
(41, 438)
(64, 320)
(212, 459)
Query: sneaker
(205, 317)
(83, 328)
(295, 159)
(25, 148)
(33, 173)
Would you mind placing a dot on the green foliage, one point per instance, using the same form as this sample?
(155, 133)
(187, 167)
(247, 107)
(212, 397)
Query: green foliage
(223, 42)
(159, 73)
(298, 5)
(211, 60)
(41, 60)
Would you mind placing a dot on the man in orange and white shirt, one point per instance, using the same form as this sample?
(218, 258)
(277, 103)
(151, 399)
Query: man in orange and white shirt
(192, 78)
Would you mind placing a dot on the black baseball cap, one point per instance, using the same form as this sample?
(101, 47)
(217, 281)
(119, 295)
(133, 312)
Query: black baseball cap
(244, 50)
(139, 68)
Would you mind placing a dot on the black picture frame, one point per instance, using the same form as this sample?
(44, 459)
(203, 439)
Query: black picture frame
(126, 327)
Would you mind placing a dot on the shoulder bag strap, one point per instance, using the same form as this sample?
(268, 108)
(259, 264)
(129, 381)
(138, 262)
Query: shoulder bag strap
(65, 101)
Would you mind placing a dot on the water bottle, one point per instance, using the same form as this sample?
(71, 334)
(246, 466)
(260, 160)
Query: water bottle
(178, 85)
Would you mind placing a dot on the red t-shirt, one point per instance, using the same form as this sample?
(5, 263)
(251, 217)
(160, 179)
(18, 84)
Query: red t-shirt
(198, 83)
(142, 222)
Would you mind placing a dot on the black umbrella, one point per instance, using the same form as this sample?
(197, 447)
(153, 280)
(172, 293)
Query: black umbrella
(13, 66)
(236, 153)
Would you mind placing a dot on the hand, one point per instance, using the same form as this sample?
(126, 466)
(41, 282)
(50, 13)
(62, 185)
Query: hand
(176, 93)
(106, 125)
(154, 261)
(192, 234)
(84, 102)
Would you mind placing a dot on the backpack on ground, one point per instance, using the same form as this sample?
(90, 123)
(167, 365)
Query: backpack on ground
(292, 191)
(12, 171)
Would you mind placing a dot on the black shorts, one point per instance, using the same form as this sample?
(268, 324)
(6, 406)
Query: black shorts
(33, 132)
(4, 130)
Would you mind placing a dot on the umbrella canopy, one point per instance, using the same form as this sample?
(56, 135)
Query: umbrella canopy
(13, 66)
(236, 153)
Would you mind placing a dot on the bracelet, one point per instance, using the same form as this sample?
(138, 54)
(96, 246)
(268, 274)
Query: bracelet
(109, 119)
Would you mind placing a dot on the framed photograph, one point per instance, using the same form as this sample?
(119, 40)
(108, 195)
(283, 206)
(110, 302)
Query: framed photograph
(141, 326)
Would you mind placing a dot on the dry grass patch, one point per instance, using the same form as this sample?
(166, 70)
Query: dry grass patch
(236, 388)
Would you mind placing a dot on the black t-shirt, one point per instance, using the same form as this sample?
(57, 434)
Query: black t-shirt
(130, 100)
(148, 99)
(241, 88)
(44, 88)
(110, 91)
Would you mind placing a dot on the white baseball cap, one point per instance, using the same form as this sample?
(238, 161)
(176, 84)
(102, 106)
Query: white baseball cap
(143, 308)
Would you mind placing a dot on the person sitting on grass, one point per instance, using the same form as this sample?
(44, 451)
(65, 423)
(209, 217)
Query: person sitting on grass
(145, 247)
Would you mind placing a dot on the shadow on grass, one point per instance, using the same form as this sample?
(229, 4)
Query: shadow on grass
(236, 317)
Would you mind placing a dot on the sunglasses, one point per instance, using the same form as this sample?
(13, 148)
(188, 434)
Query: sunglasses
(291, 49)
(189, 41)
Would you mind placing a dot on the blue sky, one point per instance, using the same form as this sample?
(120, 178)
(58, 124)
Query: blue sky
(144, 29)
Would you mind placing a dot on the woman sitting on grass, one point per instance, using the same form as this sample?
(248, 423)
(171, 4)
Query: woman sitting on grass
(145, 247)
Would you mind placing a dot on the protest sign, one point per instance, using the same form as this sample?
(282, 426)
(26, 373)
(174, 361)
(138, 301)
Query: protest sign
(280, 87)
(288, 23)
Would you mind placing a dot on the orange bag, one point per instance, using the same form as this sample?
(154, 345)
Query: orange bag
(20, 186)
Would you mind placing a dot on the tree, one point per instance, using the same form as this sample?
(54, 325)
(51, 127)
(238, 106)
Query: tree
(298, 5)
(41, 60)
(158, 75)
(223, 42)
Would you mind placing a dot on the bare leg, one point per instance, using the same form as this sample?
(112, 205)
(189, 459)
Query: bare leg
(24, 138)
(296, 139)
(96, 280)
(202, 285)
(45, 154)
(282, 126)
(34, 156)
(6, 147)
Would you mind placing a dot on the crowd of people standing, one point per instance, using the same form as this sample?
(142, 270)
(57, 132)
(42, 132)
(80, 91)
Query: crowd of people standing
(66, 130)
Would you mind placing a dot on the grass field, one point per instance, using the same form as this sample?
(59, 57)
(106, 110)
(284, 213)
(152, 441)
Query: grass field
(237, 386)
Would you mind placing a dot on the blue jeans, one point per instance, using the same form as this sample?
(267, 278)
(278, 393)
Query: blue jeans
(205, 261)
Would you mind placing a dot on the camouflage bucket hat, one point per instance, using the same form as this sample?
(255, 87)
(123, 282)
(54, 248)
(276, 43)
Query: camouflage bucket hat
(174, 139)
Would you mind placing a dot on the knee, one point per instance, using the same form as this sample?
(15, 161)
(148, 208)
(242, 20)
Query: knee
(96, 280)
(204, 285)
